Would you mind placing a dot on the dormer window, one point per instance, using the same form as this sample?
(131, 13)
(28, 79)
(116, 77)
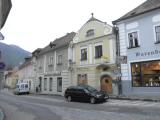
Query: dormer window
(90, 33)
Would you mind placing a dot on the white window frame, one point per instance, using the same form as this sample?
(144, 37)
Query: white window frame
(82, 62)
(81, 55)
(51, 62)
(59, 62)
(128, 42)
(88, 31)
(154, 33)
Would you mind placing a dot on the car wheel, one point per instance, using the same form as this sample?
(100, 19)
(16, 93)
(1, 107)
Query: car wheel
(69, 99)
(92, 100)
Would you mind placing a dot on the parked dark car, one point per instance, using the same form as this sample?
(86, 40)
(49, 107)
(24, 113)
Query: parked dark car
(85, 93)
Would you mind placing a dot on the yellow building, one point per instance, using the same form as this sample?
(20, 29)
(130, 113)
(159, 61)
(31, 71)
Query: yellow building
(94, 55)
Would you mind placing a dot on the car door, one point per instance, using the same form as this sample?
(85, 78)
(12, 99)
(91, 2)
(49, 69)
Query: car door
(87, 95)
(22, 88)
(26, 88)
(73, 93)
(82, 96)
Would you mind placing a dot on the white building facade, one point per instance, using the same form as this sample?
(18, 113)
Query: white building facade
(52, 66)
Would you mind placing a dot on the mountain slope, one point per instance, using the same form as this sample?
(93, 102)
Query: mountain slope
(12, 54)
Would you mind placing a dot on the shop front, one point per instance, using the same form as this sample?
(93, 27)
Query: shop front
(143, 72)
(146, 74)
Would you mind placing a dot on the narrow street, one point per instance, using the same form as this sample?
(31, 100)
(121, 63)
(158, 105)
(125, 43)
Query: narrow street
(40, 107)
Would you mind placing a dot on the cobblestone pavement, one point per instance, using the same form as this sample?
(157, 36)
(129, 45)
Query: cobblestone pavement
(55, 108)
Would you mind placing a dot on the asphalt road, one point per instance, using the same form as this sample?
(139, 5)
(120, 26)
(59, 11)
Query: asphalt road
(38, 107)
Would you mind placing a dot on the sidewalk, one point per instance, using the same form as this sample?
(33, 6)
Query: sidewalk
(137, 97)
(1, 115)
(118, 97)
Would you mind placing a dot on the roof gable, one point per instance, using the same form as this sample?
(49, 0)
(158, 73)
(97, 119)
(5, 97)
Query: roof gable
(145, 7)
(59, 42)
(98, 27)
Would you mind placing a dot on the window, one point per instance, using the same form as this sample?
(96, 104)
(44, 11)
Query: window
(22, 86)
(146, 74)
(59, 84)
(59, 60)
(82, 79)
(26, 85)
(90, 33)
(80, 90)
(98, 51)
(50, 84)
(84, 54)
(133, 40)
(45, 84)
(157, 32)
(51, 60)
(51, 63)
(136, 75)
(50, 68)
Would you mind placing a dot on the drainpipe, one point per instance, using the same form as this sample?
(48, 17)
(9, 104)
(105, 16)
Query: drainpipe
(118, 62)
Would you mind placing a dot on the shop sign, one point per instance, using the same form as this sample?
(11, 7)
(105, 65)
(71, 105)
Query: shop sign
(123, 59)
(83, 69)
(53, 74)
(149, 53)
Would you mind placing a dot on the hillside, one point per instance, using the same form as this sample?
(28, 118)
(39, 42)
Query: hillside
(12, 54)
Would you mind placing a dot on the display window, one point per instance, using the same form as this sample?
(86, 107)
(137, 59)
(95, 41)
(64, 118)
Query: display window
(146, 74)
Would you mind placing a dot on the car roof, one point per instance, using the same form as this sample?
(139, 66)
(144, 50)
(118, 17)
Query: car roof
(79, 86)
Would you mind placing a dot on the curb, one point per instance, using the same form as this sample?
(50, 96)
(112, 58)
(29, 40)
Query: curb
(135, 99)
(1, 115)
(110, 97)
(43, 94)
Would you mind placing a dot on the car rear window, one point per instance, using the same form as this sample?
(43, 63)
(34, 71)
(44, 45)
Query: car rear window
(70, 89)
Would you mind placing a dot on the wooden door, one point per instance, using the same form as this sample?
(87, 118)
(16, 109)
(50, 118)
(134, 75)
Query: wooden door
(106, 84)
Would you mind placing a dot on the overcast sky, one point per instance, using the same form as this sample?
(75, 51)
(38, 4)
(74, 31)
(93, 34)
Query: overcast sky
(32, 24)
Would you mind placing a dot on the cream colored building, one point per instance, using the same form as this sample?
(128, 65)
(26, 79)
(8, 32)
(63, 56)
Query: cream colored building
(27, 73)
(94, 55)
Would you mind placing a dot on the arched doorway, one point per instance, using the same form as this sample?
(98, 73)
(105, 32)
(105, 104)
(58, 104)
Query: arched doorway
(106, 84)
